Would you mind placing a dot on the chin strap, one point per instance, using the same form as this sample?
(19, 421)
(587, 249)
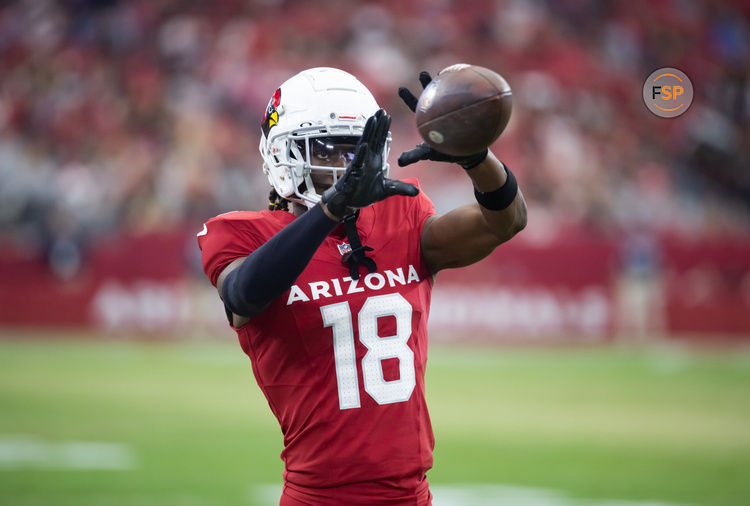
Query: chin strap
(356, 256)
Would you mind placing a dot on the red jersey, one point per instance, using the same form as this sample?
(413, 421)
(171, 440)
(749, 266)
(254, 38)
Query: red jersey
(341, 361)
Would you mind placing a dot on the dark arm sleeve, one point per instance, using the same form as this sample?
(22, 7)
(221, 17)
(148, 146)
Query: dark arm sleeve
(270, 270)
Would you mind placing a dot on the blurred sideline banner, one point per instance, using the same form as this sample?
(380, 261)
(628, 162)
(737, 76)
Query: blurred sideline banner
(561, 289)
(577, 287)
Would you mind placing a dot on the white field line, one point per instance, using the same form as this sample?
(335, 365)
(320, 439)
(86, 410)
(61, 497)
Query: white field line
(19, 451)
(481, 494)
(507, 495)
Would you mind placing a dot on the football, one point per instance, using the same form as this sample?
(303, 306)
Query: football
(464, 109)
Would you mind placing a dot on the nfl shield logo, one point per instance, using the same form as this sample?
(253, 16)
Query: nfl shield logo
(344, 248)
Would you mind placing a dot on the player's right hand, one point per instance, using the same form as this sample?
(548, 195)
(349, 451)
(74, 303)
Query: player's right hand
(364, 182)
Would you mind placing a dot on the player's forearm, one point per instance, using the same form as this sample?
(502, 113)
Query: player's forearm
(489, 177)
(271, 269)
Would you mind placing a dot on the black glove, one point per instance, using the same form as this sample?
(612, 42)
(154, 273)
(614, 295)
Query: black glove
(424, 151)
(364, 183)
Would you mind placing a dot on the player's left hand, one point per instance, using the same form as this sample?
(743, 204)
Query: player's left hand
(364, 182)
(424, 151)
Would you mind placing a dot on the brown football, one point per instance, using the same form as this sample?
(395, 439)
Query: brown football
(464, 109)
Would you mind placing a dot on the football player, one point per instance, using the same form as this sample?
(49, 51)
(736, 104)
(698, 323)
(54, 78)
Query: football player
(329, 290)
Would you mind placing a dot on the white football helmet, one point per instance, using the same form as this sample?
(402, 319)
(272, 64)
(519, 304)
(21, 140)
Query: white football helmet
(316, 109)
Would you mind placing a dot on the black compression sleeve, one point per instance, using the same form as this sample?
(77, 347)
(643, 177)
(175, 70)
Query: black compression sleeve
(271, 269)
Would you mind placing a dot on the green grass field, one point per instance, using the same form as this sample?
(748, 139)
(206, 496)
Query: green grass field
(191, 427)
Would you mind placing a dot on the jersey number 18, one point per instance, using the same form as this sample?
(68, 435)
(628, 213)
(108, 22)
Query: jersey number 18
(379, 348)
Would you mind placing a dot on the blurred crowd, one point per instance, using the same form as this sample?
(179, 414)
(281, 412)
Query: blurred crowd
(145, 114)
